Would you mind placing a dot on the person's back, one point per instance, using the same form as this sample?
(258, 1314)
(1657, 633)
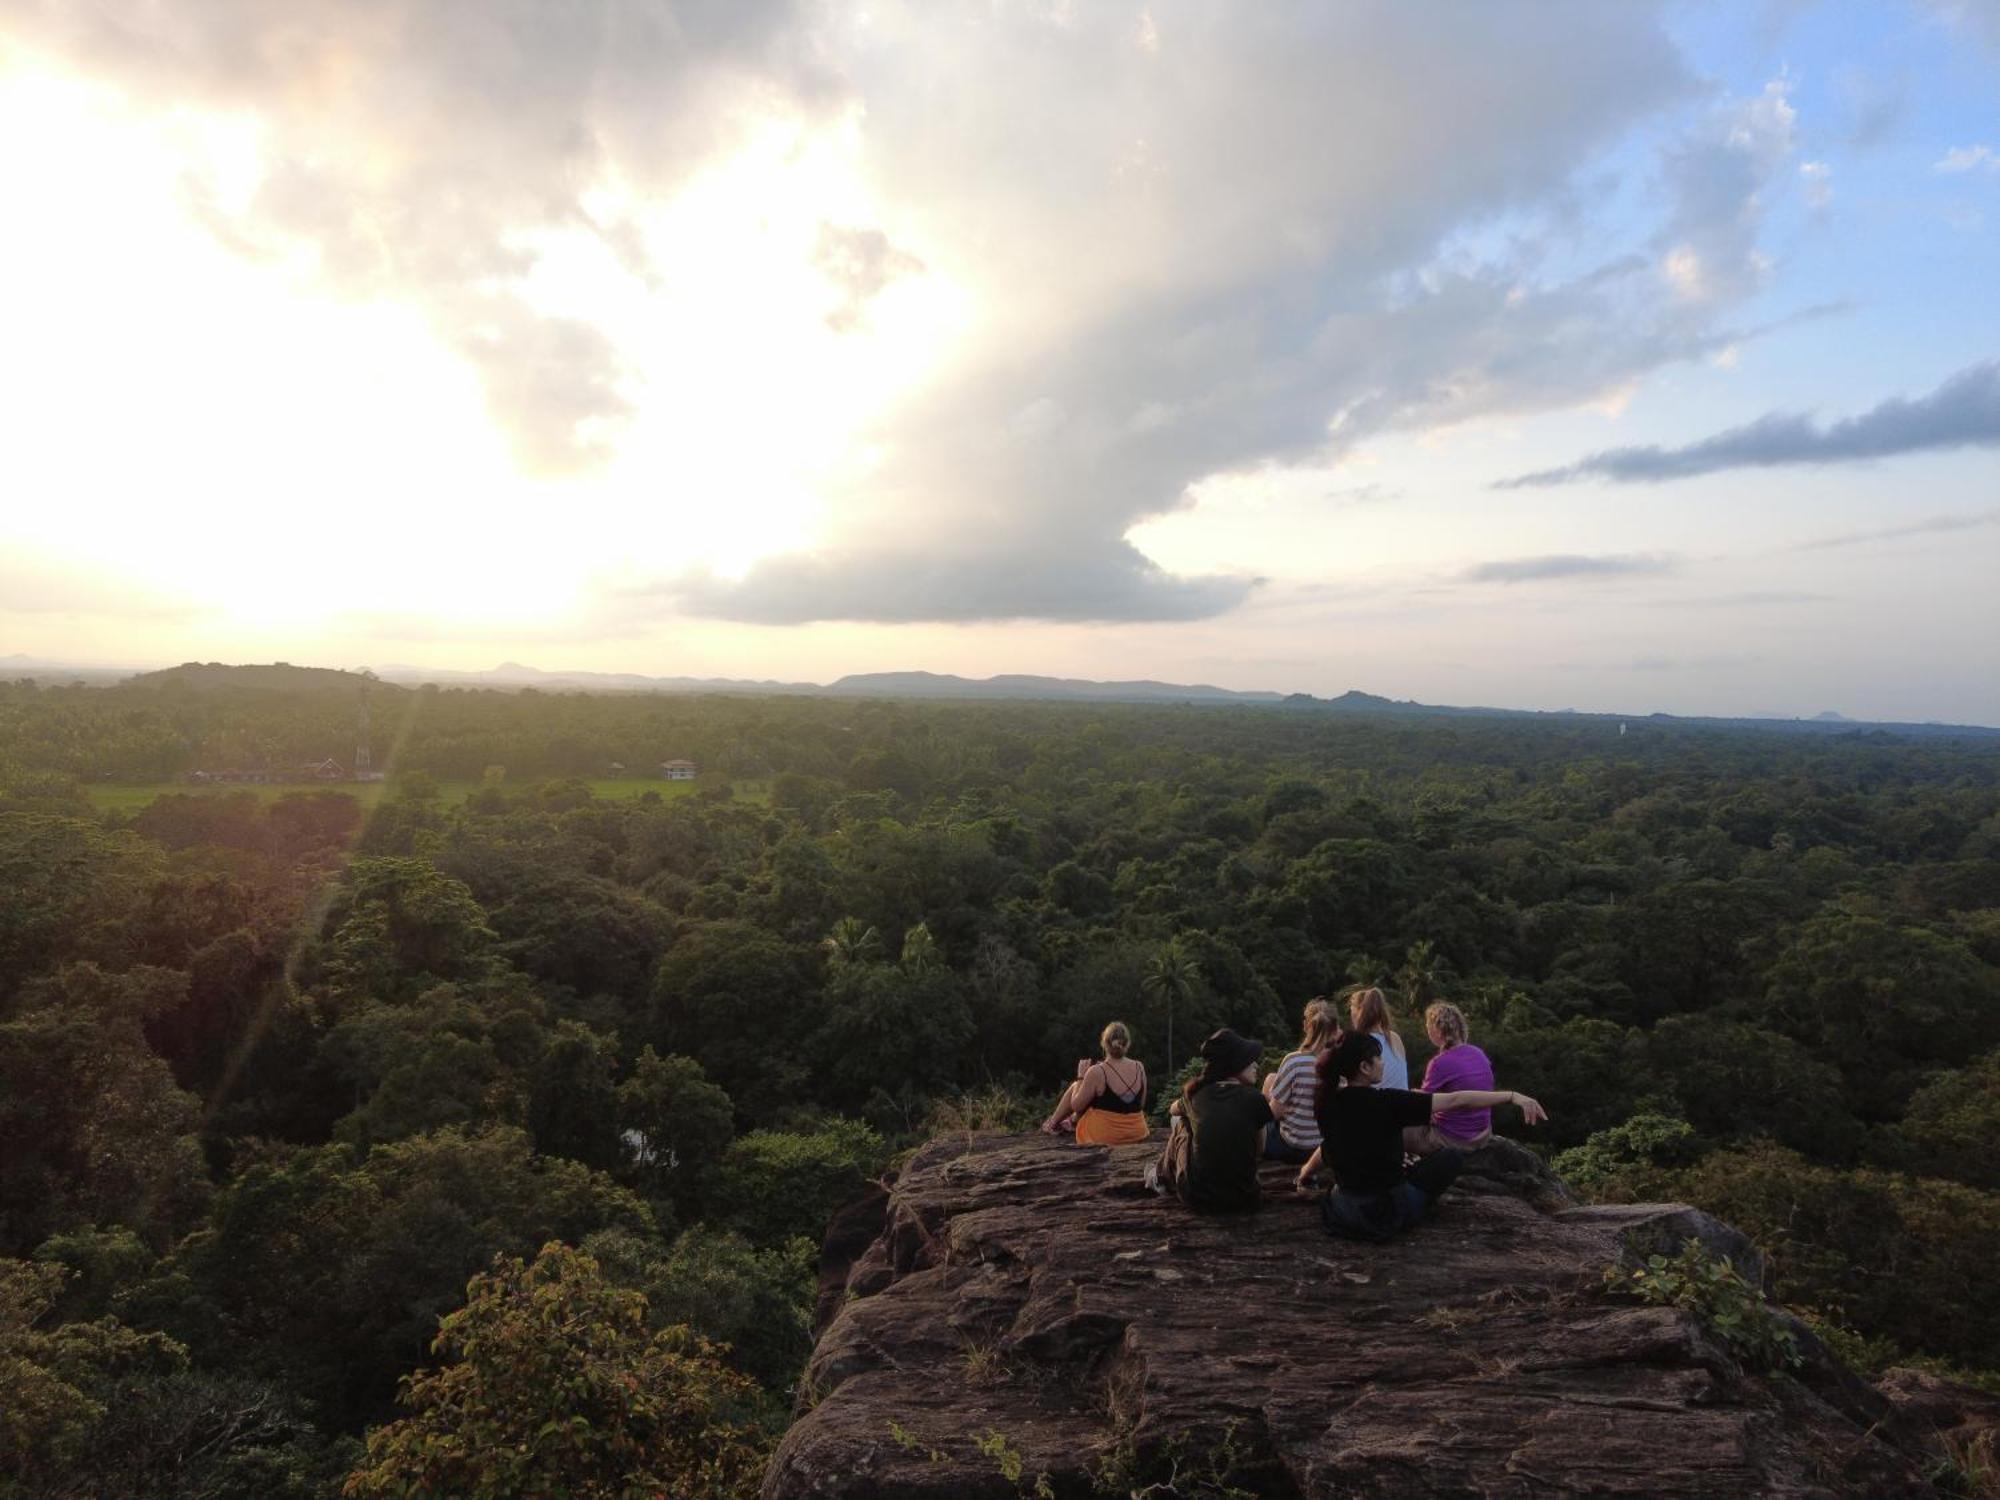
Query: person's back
(1455, 1070)
(1368, 1011)
(1395, 1066)
(1116, 1115)
(1226, 1122)
(1364, 1134)
(1224, 1117)
(1295, 1085)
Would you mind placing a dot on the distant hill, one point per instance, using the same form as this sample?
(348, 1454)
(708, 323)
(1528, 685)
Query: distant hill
(513, 676)
(276, 677)
(944, 685)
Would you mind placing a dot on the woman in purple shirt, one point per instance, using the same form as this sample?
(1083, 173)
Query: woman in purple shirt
(1459, 1067)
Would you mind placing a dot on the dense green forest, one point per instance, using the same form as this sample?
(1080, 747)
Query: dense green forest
(278, 1080)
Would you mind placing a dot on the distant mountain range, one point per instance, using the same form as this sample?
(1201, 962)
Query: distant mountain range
(514, 676)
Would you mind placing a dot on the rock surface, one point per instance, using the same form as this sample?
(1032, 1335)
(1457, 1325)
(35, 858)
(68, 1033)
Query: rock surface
(1030, 1320)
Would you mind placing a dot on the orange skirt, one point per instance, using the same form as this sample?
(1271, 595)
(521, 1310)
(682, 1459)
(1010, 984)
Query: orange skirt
(1100, 1127)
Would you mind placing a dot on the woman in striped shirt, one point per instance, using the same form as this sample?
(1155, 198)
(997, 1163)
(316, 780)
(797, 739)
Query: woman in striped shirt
(1294, 1084)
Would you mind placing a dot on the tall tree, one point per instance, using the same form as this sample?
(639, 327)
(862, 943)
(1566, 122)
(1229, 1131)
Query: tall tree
(551, 1384)
(1170, 978)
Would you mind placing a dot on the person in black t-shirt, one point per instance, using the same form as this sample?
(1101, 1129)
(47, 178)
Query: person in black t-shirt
(1218, 1135)
(1361, 1137)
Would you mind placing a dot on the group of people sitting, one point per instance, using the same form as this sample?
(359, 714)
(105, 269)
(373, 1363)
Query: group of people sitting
(1340, 1101)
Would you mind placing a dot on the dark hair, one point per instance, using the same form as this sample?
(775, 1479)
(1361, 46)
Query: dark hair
(1224, 1055)
(1353, 1053)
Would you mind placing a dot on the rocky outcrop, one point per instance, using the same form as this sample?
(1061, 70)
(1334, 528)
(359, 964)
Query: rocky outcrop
(1031, 1320)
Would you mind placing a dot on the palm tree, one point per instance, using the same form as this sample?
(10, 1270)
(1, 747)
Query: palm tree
(1171, 977)
(1417, 979)
(851, 942)
(921, 953)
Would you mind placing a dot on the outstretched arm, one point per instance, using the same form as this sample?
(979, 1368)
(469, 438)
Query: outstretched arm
(1444, 1104)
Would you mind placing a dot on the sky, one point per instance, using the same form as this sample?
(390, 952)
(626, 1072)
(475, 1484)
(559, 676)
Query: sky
(1635, 357)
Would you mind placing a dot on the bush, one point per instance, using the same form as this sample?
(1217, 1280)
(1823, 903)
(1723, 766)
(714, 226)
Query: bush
(1728, 1306)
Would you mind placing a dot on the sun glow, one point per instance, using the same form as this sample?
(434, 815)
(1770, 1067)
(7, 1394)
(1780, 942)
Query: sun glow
(218, 426)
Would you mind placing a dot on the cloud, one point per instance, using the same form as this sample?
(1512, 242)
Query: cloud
(1095, 584)
(1570, 565)
(1968, 159)
(858, 263)
(1963, 412)
(1179, 292)
(414, 149)
(1933, 525)
(1164, 286)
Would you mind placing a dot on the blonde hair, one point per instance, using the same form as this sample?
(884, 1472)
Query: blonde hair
(1116, 1039)
(1448, 1021)
(1368, 1009)
(1320, 1024)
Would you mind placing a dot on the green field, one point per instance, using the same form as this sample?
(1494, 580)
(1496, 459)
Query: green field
(130, 798)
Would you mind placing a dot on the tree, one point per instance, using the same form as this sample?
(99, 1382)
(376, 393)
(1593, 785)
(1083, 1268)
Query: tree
(729, 995)
(572, 1099)
(1416, 980)
(679, 1122)
(553, 1385)
(757, 1303)
(328, 1270)
(1953, 1122)
(851, 941)
(400, 924)
(921, 952)
(68, 890)
(95, 1131)
(1171, 979)
(777, 1185)
(890, 1029)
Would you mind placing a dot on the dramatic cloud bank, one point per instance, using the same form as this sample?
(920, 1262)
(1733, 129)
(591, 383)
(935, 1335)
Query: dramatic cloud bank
(1194, 237)
(1963, 412)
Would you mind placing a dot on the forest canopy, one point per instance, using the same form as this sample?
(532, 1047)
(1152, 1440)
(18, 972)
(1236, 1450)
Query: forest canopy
(284, 1070)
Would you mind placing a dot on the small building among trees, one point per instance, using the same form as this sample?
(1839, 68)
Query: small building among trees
(677, 770)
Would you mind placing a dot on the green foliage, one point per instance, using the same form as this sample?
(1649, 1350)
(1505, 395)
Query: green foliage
(1013, 1468)
(1953, 1123)
(573, 1098)
(1628, 1160)
(98, 1408)
(295, 1104)
(68, 891)
(756, 1305)
(1708, 1286)
(328, 1269)
(678, 1124)
(1887, 1255)
(553, 1384)
(776, 1186)
(399, 925)
(96, 1132)
(728, 994)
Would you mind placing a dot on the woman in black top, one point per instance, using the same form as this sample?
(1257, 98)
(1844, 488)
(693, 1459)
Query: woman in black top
(1361, 1138)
